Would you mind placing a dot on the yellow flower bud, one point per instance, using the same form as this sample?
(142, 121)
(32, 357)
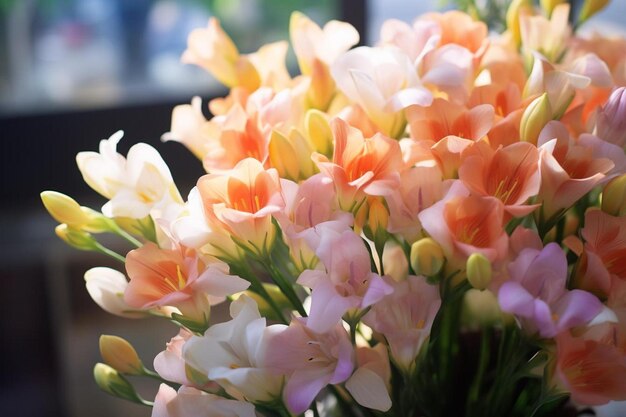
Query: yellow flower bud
(534, 119)
(395, 262)
(427, 257)
(120, 355)
(591, 7)
(319, 132)
(64, 209)
(76, 238)
(283, 156)
(614, 197)
(110, 381)
(97, 222)
(303, 149)
(322, 87)
(549, 5)
(516, 8)
(378, 217)
(480, 309)
(478, 271)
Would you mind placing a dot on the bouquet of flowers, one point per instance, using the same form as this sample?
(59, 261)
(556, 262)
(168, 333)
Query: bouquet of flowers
(432, 226)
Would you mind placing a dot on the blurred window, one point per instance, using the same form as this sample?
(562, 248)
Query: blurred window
(70, 54)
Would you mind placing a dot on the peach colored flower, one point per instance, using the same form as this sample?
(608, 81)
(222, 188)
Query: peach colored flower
(177, 277)
(460, 29)
(241, 201)
(511, 174)
(593, 372)
(548, 37)
(569, 169)
(603, 260)
(444, 118)
(464, 224)
(360, 166)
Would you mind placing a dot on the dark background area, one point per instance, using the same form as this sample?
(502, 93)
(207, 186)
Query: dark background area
(48, 323)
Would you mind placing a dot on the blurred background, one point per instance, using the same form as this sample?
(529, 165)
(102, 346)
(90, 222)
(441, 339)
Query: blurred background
(73, 72)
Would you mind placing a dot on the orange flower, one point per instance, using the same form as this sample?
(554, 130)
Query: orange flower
(241, 201)
(361, 166)
(593, 372)
(464, 224)
(511, 174)
(177, 277)
(444, 118)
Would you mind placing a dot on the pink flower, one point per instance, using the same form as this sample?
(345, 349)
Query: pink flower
(177, 277)
(569, 169)
(310, 360)
(537, 295)
(405, 318)
(611, 118)
(307, 205)
(464, 224)
(347, 281)
(420, 187)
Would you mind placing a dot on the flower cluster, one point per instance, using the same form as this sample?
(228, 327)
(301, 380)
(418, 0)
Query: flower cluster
(441, 214)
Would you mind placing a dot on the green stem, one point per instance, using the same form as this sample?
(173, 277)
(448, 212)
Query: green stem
(257, 286)
(284, 285)
(483, 362)
(127, 236)
(106, 251)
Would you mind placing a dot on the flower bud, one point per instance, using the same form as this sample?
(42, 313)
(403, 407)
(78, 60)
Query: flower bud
(64, 209)
(283, 156)
(614, 197)
(110, 381)
(395, 262)
(478, 271)
(76, 238)
(378, 218)
(591, 7)
(120, 355)
(516, 8)
(534, 119)
(97, 222)
(480, 309)
(319, 132)
(322, 87)
(427, 257)
(106, 287)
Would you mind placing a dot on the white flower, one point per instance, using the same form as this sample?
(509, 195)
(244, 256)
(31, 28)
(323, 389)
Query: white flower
(232, 353)
(137, 186)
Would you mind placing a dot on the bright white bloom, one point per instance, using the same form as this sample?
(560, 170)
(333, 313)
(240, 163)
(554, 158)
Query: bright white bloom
(232, 354)
(137, 186)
